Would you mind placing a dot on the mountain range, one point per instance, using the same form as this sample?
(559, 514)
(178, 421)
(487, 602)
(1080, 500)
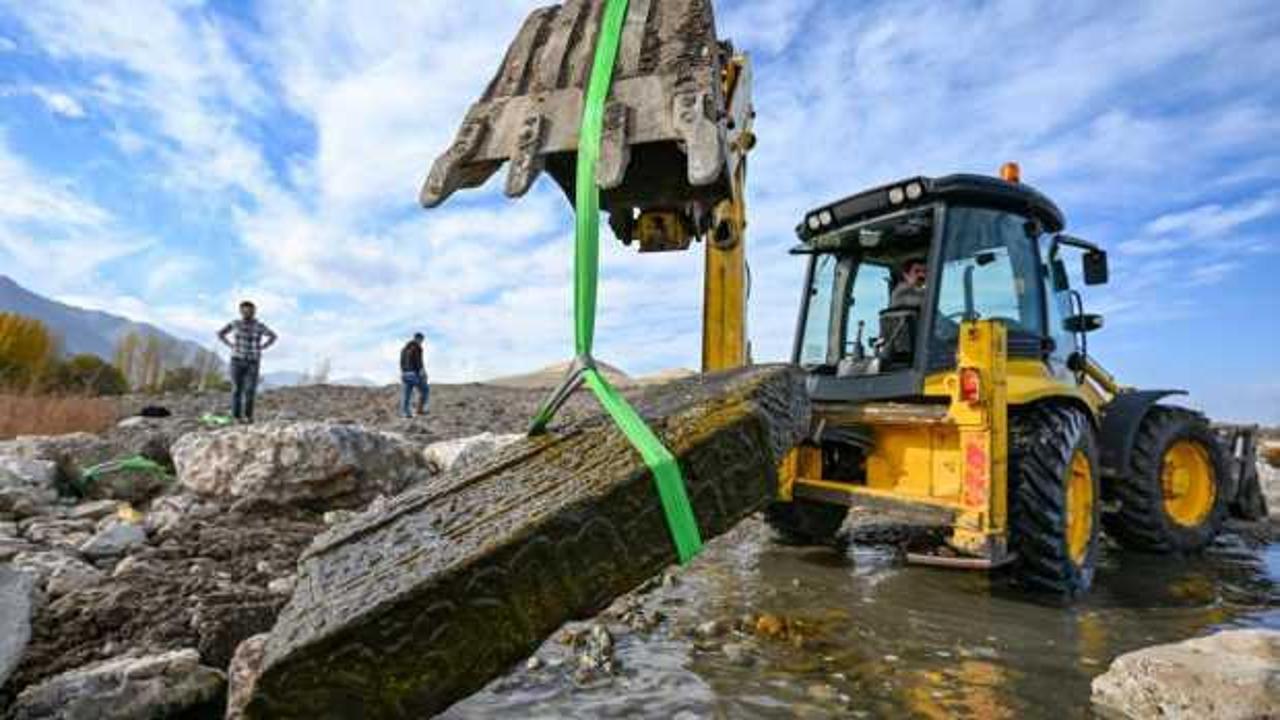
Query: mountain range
(81, 330)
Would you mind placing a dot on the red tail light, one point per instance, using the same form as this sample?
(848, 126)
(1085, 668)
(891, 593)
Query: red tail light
(970, 385)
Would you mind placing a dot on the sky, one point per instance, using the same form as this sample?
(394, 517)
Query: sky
(163, 160)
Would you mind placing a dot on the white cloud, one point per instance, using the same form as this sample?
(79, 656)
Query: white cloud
(49, 232)
(8, 44)
(59, 103)
(1213, 220)
(1121, 111)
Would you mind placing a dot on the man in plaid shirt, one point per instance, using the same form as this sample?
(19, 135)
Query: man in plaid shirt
(251, 337)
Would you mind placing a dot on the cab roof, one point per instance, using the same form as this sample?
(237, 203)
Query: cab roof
(980, 190)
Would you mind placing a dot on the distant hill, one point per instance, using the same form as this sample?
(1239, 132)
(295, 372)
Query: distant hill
(80, 330)
(550, 376)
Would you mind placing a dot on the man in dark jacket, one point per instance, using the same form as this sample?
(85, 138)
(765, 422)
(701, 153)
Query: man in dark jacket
(413, 375)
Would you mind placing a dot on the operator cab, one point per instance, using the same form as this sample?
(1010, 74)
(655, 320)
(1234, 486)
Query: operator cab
(990, 251)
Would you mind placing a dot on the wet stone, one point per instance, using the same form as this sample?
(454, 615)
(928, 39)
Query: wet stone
(461, 577)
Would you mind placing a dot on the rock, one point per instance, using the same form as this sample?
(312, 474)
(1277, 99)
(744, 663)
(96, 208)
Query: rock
(223, 621)
(57, 533)
(711, 629)
(135, 422)
(310, 464)
(242, 676)
(465, 575)
(337, 517)
(125, 688)
(28, 471)
(27, 486)
(461, 453)
(737, 654)
(282, 585)
(823, 693)
(71, 453)
(17, 601)
(58, 573)
(771, 626)
(115, 540)
(166, 512)
(94, 510)
(1233, 674)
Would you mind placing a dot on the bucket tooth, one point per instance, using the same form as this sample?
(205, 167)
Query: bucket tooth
(667, 131)
(703, 138)
(615, 147)
(526, 160)
(453, 169)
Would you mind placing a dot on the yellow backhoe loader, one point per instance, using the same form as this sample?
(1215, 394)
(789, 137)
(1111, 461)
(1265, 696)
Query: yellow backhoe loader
(970, 392)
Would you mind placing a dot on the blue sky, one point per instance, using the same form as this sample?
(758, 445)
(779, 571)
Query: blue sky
(163, 160)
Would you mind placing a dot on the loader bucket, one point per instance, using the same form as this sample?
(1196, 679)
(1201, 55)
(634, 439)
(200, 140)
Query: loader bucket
(667, 127)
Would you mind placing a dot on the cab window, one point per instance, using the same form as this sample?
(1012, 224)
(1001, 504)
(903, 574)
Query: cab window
(817, 325)
(994, 248)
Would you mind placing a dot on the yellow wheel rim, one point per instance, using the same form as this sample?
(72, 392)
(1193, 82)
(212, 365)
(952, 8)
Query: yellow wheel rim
(1079, 507)
(1186, 478)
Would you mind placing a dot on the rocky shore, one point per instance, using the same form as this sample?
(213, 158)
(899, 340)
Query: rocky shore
(142, 583)
(133, 593)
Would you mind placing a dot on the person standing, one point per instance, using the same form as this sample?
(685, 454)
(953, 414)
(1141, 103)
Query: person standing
(249, 337)
(413, 376)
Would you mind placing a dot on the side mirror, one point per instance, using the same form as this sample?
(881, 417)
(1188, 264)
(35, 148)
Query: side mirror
(1083, 323)
(1095, 268)
(1059, 271)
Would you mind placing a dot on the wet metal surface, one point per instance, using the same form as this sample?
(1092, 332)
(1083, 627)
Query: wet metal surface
(867, 636)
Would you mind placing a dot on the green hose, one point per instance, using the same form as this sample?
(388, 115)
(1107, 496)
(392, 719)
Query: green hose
(665, 469)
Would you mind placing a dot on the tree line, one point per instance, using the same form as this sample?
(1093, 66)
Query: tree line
(31, 360)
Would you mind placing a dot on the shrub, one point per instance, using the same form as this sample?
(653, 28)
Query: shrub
(31, 414)
(85, 375)
(27, 349)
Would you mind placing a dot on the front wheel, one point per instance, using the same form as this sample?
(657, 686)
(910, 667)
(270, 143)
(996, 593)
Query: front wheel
(1174, 497)
(1053, 508)
(804, 522)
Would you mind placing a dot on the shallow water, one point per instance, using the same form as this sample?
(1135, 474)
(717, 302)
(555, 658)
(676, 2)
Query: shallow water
(868, 636)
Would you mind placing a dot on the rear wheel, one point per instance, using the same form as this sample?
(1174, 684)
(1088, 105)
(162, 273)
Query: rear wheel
(1053, 508)
(1175, 495)
(804, 522)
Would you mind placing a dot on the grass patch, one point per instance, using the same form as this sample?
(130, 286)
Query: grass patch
(32, 414)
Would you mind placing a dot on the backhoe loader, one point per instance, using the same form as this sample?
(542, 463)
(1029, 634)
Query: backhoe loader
(980, 401)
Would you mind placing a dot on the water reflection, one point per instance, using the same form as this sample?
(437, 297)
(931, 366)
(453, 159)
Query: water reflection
(858, 634)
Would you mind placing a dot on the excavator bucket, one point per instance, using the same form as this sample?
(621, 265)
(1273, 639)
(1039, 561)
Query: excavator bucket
(675, 115)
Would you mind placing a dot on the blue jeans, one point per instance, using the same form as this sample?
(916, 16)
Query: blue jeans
(414, 381)
(244, 384)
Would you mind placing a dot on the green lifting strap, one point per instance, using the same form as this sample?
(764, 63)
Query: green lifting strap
(665, 469)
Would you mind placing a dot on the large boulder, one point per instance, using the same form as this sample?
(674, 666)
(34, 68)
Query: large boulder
(425, 601)
(17, 600)
(460, 453)
(1233, 674)
(27, 485)
(71, 453)
(308, 464)
(125, 688)
(58, 573)
(114, 540)
(242, 676)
